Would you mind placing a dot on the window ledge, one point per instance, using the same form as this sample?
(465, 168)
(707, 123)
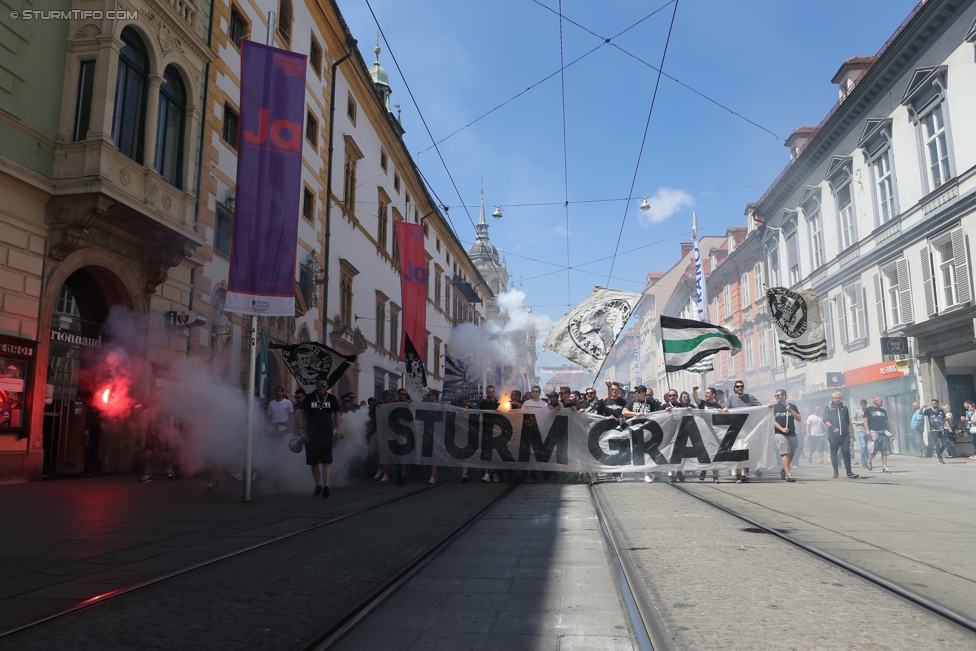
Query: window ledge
(857, 344)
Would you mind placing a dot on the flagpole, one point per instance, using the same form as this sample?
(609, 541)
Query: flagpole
(253, 346)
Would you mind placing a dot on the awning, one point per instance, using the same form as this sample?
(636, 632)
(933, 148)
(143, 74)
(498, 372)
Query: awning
(466, 289)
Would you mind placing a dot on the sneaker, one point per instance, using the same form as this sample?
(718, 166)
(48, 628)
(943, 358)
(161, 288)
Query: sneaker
(790, 478)
(432, 481)
(673, 479)
(836, 475)
(211, 487)
(715, 480)
(681, 477)
(758, 473)
(325, 491)
(851, 475)
(486, 478)
(401, 480)
(386, 477)
(745, 478)
(318, 491)
(464, 479)
(494, 478)
(738, 479)
(647, 479)
(702, 475)
(146, 478)
(782, 474)
(885, 470)
(170, 473)
(870, 466)
(379, 473)
(238, 476)
(973, 457)
(941, 460)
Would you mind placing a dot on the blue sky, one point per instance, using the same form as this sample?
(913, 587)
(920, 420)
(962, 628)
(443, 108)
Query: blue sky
(769, 60)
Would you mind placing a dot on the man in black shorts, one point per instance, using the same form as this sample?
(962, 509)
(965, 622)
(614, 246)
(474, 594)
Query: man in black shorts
(319, 419)
(785, 417)
(878, 428)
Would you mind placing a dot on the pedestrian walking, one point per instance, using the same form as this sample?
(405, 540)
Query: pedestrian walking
(319, 423)
(837, 418)
(860, 432)
(918, 429)
(880, 433)
(816, 433)
(937, 420)
(785, 415)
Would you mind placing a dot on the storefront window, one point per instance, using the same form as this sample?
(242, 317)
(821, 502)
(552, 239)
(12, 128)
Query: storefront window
(16, 358)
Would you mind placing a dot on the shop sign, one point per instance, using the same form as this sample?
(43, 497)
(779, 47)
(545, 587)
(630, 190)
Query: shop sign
(874, 373)
(78, 340)
(24, 349)
(183, 319)
(893, 348)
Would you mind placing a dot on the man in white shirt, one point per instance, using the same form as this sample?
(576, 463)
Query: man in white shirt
(816, 434)
(536, 401)
(281, 410)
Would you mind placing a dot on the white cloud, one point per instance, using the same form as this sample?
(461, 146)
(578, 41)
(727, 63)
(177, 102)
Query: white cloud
(664, 203)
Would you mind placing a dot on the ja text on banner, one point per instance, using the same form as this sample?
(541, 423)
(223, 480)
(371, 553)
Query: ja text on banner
(264, 244)
(413, 295)
(570, 441)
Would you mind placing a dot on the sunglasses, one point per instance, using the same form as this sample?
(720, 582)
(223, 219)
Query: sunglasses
(322, 386)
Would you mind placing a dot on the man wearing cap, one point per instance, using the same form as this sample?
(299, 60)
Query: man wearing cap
(319, 420)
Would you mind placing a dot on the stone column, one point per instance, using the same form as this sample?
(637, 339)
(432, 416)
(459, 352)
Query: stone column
(152, 120)
(103, 92)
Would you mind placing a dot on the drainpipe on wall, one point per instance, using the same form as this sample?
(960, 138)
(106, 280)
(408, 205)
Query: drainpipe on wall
(328, 195)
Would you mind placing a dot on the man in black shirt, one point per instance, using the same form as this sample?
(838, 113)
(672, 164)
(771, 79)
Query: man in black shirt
(588, 401)
(490, 403)
(319, 421)
(642, 404)
(878, 428)
(613, 406)
(710, 401)
(785, 415)
(566, 399)
(838, 421)
(937, 420)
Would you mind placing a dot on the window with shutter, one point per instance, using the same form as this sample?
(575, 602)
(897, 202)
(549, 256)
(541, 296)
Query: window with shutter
(904, 292)
(842, 307)
(927, 286)
(859, 298)
(827, 313)
(961, 261)
(879, 303)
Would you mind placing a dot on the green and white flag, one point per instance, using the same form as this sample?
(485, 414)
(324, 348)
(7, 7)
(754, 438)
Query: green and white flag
(688, 342)
(801, 328)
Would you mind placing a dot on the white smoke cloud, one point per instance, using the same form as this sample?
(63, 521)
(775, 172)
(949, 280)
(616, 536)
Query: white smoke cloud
(663, 204)
(199, 416)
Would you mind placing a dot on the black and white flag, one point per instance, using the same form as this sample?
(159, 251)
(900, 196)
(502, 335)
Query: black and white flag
(309, 362)
(797, 317)
(586, 333)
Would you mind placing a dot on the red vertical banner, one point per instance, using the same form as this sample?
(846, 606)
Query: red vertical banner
(413, 289)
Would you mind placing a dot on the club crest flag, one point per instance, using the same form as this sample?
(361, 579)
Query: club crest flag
(309, 361)
(797, 318)
(586, 333)
(688, 342)
(264, 244)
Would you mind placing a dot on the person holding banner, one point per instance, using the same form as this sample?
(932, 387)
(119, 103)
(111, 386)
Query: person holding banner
(319, 422)
(785, 416)
(740, 398)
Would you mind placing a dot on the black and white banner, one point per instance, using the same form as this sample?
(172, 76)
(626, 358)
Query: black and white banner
(569, 441)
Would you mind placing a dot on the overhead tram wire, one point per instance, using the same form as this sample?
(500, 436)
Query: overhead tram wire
(562, 86)
(606, 41)
(640, 154)
(416, 105)
(651, 66)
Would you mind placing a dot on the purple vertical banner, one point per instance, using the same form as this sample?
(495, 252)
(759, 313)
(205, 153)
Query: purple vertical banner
(269, 180)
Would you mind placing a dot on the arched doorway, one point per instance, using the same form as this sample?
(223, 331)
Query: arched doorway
(73, 443)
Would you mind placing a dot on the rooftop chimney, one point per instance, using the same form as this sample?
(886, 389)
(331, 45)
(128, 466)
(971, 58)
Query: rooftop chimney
(848, 74)
(686, 248)
(798, 139)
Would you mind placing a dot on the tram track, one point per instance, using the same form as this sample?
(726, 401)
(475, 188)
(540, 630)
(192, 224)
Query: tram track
(888, 586)
(113, 595)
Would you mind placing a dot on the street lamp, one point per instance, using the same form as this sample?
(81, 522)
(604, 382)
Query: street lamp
(645, 204)
(498, 212)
